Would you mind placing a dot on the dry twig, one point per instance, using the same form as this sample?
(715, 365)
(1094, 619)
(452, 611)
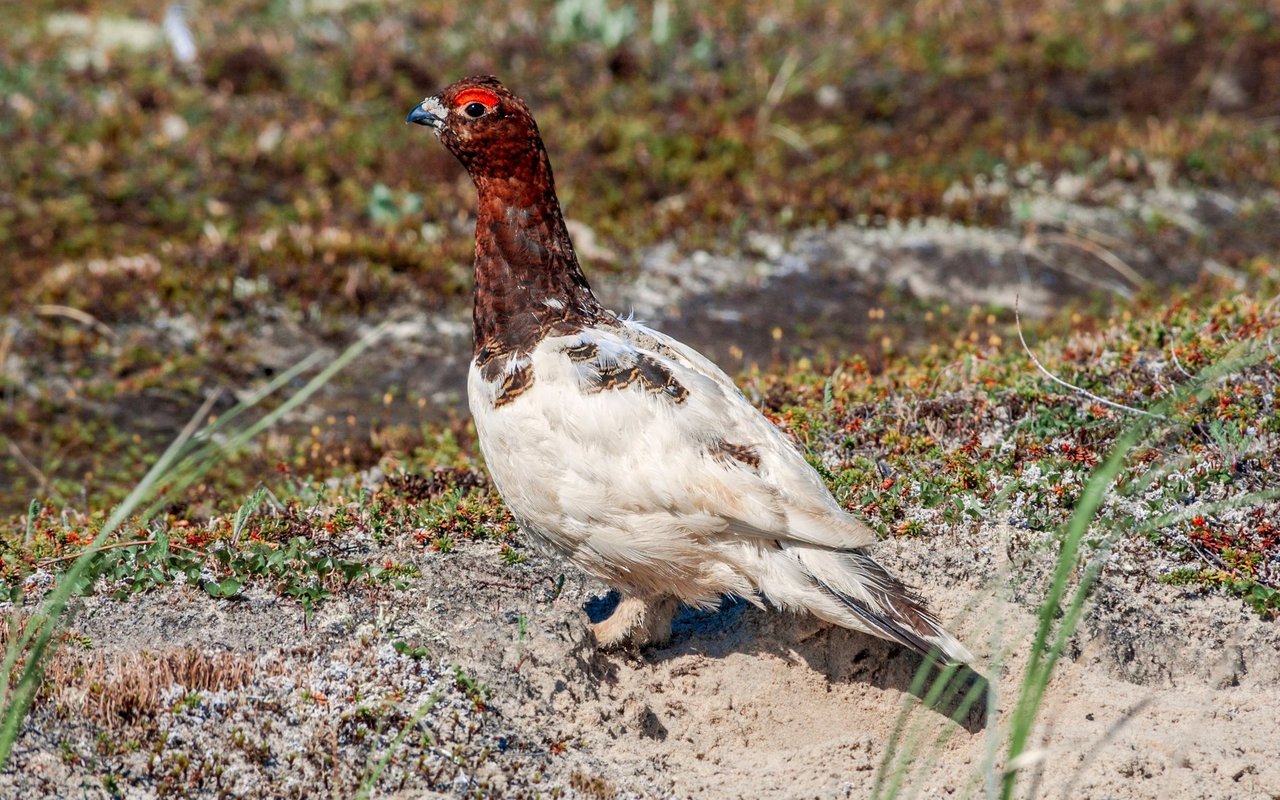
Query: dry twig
(114, 545)
(76, 315)
(1078, 390)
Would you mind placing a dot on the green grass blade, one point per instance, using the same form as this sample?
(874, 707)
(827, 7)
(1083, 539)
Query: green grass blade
(373, 775)
(1045, 652)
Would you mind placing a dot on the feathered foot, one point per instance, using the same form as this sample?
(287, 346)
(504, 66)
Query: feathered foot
(639, 621)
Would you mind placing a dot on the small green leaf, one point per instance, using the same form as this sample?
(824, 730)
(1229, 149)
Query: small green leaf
(410, 650)
(227, 587)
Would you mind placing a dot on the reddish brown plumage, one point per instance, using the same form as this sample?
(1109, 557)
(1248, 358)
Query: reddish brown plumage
(528, 282)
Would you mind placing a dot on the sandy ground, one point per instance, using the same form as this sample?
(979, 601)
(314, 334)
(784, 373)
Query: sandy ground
(1163, 694)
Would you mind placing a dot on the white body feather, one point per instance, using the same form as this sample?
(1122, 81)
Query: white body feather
(627, 483)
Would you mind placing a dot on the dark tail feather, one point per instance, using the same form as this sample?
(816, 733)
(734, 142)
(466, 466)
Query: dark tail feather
(888, 629)
(899, 614)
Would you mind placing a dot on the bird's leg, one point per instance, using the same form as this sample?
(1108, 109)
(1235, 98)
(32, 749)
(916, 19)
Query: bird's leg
(657, 620)
(615, 630)
(637, 620)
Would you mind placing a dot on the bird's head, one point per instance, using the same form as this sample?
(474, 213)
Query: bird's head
(484, 125)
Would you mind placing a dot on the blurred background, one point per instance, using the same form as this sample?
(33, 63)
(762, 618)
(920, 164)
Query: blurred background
(197, 195)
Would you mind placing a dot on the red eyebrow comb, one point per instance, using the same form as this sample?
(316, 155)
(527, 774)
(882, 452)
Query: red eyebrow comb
(483, 96)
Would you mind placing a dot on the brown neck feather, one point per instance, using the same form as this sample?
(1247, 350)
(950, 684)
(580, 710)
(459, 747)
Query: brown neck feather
(528, 282)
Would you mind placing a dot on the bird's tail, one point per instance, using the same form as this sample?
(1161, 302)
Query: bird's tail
(859, 593)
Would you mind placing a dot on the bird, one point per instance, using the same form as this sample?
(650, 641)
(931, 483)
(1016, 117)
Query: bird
(626, 451)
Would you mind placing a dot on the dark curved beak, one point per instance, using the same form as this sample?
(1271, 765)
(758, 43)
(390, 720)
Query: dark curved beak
(423, 117)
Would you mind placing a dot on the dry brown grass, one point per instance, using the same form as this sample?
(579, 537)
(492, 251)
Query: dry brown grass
(113, 689)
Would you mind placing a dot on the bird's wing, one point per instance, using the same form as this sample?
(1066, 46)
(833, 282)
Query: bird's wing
(710, 452)
(812, 532)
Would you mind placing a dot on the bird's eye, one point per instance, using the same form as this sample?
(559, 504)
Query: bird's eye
(474, 110)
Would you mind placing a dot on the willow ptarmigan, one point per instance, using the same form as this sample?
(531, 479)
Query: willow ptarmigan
(624, 450)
